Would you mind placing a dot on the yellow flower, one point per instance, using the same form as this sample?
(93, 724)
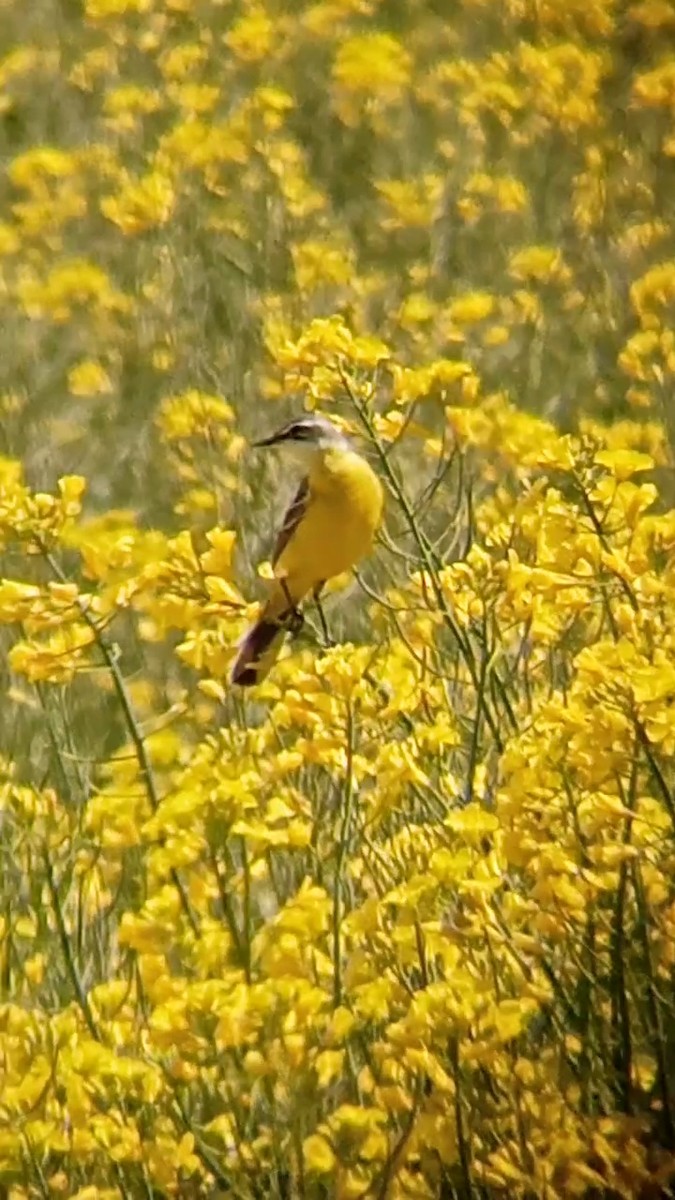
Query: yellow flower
(656, 88)
(486, 193)
(56, 658)
(97, 10)
(543, 264)
(123, 104)
(591, 17)
(10, 240)
(71, 284)
(471, 307)
(18, 62)
(206, 145)
(252, 37)
(372, 62)
(652, 292)
(373, 66)
(411, 203)
(91, 65)
(195, 97)
(417, 308)
(498, 335)
(318, 1157)
(218, 560)
(32, 169)
(88, 378)
(562, 81)
(624, 463)
(18, 601)
(635, 357)
(141, 204)
(178, 61)
(322, 264)
(34, 968)
(194, 414)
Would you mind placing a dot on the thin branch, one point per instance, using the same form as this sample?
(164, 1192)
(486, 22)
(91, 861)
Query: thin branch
(143, 758)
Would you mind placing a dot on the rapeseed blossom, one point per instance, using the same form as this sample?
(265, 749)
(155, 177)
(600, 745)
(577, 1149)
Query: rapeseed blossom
(402, 921)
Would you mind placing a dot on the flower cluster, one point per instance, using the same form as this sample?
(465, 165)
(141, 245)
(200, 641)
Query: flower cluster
(400, 921)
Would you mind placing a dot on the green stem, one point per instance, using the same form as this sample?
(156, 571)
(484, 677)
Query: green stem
(429, 561)
(67, 950)
(462, 1144)
(248, 927)
(132, 725)
(347, 799)
(655, 1016)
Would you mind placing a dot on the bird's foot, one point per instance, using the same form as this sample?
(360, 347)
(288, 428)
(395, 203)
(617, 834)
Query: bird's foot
(294, 621)
(328, 641)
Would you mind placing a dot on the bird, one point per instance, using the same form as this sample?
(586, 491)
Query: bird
(328, 528)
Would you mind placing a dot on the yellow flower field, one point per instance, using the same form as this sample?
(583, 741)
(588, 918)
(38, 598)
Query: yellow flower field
(399, 923)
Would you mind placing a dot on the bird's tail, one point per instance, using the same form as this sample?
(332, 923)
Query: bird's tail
(259, 650)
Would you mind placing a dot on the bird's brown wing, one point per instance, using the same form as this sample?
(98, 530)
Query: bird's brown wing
(292, 518)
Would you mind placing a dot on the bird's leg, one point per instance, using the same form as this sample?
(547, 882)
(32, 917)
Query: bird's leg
(296, 622)
(327, 639)
(293, 618)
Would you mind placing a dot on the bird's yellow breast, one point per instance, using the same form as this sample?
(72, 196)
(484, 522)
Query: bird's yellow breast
(343, 513)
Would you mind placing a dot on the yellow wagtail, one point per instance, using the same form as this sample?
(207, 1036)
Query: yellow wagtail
(327, 529)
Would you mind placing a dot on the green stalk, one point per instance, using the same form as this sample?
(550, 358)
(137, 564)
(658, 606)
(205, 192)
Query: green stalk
(345, 831)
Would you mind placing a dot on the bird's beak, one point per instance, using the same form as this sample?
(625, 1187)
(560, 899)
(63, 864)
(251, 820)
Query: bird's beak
(272, 440)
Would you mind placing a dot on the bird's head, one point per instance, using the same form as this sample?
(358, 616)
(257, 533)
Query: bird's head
(307, 434)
